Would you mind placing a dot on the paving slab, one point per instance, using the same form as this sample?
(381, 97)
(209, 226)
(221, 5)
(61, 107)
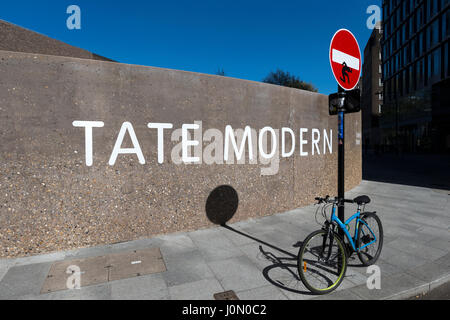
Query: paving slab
(186, 267)
(262, 293)
(214, 245)
(238, 273)
(198, 290)
(416, 249)
(23, 280)
(150, 287)
(390, 286)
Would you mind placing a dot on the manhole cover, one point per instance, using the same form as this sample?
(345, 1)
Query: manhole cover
(227, 295)
(96, 270)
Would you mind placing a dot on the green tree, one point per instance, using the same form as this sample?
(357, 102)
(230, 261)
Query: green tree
(283, 78)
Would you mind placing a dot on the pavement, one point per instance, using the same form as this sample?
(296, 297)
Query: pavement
(257, 258)
(440, 293)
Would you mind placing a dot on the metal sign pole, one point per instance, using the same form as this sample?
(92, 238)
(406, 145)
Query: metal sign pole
(345, 61)
(341, 168)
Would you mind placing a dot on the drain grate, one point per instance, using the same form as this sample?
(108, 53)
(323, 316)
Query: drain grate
(227, 295)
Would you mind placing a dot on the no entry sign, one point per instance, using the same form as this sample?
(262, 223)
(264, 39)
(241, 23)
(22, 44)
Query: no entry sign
(345, 59)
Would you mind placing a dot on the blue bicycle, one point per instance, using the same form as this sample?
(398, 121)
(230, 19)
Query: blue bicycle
(323, 256)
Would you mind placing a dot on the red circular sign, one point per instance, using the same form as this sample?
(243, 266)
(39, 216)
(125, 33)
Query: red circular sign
(345, 59)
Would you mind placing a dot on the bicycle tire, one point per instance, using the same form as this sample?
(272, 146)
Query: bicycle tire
(310, 270)
(369, 226)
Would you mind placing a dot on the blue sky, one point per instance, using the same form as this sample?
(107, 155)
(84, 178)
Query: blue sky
(248, 39)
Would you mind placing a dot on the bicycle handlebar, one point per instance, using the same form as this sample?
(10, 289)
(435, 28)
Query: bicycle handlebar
(327, 199)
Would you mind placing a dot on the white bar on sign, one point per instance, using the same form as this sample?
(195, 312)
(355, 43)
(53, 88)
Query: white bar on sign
(341, 57)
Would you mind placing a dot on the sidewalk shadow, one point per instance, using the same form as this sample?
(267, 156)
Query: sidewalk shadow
(221, 205)
(283, 271)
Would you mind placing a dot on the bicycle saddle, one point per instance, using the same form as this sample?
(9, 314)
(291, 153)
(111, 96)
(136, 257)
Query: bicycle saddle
(362, 200)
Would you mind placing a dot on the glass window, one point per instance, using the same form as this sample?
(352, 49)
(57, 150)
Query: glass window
(429, 9)
(411, 25)
(420, 45)
(434, 7)
(419, 74)
(433, 34)
(411, 78)
(446, 25)
(435, 31)
(405, 55)
(430, 68)
(404, 33)
(419, 21)
(413, 49)
(434, 68)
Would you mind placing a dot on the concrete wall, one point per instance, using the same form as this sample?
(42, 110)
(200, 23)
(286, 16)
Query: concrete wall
(50, 199)
(15, 38)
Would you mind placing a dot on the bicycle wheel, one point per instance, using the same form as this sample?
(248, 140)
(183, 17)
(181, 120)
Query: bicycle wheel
(370, 238)
(322, 266)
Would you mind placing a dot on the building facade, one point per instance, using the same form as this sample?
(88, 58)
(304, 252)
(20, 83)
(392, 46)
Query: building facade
(372, 92)
(415, 114)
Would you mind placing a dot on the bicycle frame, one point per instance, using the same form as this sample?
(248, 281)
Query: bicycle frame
(343, 226)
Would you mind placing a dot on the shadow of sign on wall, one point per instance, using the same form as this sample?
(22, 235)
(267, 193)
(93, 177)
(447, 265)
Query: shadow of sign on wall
(222, 204)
